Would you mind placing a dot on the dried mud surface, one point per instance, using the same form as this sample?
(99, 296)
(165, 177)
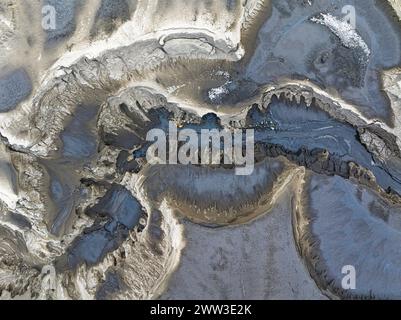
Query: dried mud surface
(79, 199)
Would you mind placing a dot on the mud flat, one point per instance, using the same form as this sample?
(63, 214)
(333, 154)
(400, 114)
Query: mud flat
(258, 260)
(339, 223)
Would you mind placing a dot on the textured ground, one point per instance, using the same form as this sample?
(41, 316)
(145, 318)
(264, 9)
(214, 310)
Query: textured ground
(84, 215)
